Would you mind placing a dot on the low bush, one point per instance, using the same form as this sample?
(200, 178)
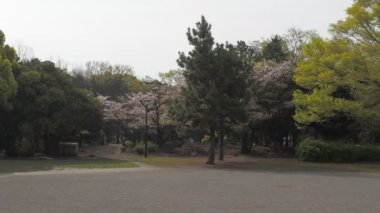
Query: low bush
(128, 145)
(313, 150)
(317, 150)
(140, 147)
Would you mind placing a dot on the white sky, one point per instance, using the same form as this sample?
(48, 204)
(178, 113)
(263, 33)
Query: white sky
(147, 34)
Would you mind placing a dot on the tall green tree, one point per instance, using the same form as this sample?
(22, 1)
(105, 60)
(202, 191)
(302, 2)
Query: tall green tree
(216, 84)
(8, 89)
(200, 73)
(48, 109)
(8, 85)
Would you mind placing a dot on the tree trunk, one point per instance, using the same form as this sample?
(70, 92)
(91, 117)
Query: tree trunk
(47, 145)
(146, 134)
(221, 145)
(211, 150)
(125, 134)
(117, 137)
(158, 128)
(246, 145)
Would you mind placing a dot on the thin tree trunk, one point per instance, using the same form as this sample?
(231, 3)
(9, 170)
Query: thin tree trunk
(80, 140)
(158, 128)
(117, 137)
(221, 145)
(244, 142)
(211, 150)
(47, 145)
(146, 134)
(125, 134)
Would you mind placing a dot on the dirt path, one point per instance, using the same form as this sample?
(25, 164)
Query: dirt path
(190, 190)
(111, 151)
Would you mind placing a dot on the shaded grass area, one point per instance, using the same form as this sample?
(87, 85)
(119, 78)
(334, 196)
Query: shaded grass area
(168, 161)
(11, 166)
(246, 163)
(293, 165)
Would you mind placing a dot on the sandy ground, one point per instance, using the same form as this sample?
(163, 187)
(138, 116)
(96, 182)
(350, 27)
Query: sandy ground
(189, 190)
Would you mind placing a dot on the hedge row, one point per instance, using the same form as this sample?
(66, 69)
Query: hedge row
(317, 150)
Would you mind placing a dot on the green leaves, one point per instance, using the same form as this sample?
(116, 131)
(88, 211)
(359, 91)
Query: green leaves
(341, 76)
(216, 78)
(275, 49)
(361, 24)
(8, 85)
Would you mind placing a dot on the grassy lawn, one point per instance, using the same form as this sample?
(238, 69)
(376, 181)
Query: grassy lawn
(11, 166)
(257, 164)
(293, 165)
(164, 161)
(231, 163)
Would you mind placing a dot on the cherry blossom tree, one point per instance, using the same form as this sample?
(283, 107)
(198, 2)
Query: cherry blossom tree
(271, 106)
(112, 110)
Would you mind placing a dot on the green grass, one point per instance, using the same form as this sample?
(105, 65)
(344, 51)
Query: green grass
(162, 161)
(258, 164)
(291, 165)
(11, 166)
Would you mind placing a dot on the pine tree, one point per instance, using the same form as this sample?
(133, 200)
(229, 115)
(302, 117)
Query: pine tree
(275, 50)
(216, 81)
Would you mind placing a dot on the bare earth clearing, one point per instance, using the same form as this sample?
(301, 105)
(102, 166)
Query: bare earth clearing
(235, 186)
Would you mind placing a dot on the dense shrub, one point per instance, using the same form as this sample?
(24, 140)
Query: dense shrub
(313, 150)
(129, 144)
(317, 150)
(140, 147)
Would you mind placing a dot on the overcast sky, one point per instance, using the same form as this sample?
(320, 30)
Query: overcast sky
(147, 34)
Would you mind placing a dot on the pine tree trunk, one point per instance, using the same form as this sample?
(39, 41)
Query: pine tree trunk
(211, 150)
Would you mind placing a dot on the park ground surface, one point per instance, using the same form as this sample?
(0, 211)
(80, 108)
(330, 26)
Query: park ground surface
(175, 184)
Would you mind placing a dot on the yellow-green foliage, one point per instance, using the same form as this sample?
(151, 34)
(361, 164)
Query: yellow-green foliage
(362, 22)
(350, 61)
(8, 85)
(320, 74)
